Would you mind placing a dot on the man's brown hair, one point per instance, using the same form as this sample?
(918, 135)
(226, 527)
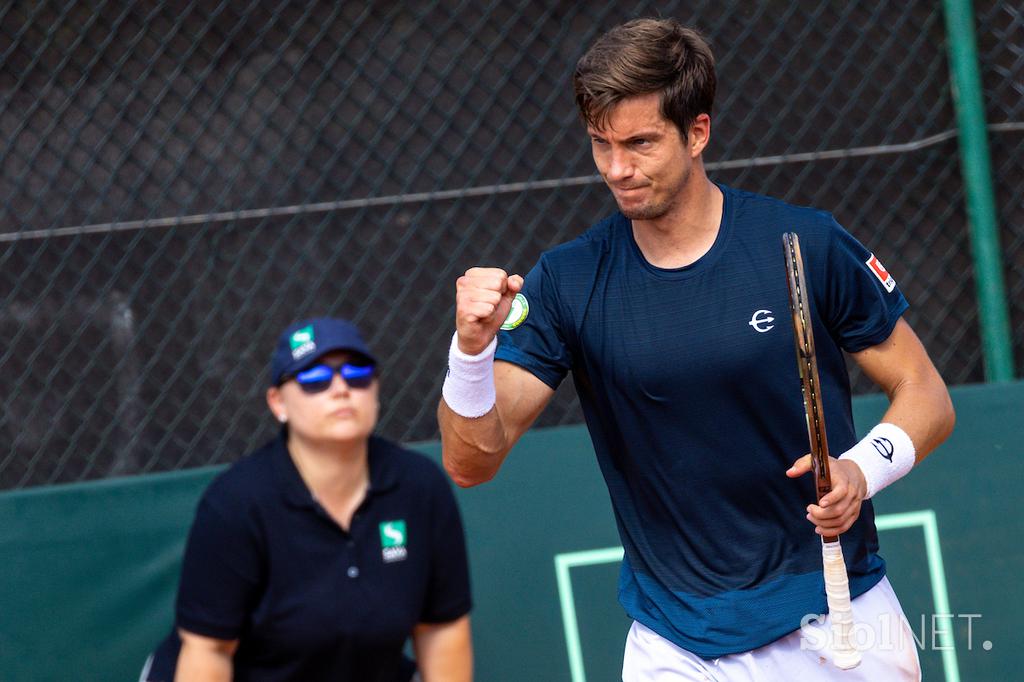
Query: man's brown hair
(645, 56)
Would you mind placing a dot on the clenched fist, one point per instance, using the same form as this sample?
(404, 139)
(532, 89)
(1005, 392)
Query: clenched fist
(483, 297)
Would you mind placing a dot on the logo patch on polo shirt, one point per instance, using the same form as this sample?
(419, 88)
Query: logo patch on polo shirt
(879, 271)
(517, 313)
(392, 541)
(302, 342)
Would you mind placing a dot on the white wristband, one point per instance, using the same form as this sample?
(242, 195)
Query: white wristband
(469, 386)
(885, 455)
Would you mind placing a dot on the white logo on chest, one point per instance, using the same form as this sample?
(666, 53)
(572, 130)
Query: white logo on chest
(761, 321)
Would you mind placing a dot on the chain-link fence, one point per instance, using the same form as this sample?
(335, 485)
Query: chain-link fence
(182, 179)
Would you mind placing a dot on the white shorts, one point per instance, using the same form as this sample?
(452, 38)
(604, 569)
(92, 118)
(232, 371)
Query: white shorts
(881, 632)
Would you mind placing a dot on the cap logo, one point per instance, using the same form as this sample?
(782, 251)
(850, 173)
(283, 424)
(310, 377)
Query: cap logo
(302, 342)
(392, 541)
(517, 313)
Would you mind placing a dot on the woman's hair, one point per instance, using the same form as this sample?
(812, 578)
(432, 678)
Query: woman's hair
(647, 56)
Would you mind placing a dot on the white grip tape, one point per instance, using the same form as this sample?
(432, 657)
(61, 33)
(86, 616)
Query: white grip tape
(885, 455)
(469, 386)
(840, 611)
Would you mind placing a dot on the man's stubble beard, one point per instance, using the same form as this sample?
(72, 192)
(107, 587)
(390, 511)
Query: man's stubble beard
(659, 210)
(648, 212)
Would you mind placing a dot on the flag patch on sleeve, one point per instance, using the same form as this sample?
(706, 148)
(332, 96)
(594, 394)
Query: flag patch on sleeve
(879, 271)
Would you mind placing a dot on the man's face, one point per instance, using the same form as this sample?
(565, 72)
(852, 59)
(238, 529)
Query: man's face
(642, 157)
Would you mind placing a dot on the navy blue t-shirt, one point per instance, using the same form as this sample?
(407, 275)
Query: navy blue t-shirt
(689, 385)
(307, 600)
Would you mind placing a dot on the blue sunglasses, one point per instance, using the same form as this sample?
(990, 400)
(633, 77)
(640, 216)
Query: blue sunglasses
(318, 378)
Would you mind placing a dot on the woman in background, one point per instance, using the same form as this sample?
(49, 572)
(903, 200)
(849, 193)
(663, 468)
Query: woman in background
(317, 556)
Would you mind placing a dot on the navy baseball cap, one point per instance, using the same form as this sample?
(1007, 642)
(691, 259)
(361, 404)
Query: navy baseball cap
(303, 343)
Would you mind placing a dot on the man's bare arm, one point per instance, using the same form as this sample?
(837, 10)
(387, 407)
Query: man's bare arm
(919, 405)
(473, 449)
(919, 401)
(486, 405)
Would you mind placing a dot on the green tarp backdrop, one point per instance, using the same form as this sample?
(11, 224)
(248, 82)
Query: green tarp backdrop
(89, 570)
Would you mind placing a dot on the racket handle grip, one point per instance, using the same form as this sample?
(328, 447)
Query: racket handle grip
(837, 592)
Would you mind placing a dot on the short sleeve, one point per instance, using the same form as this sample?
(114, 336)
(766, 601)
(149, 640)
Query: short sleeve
(538, 343)
(221, 572)
(862, 300)
(448, 593)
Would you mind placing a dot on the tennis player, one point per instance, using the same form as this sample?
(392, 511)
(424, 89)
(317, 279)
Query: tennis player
(671, 315)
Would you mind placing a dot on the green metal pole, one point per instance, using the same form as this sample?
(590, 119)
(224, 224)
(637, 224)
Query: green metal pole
(976, 167)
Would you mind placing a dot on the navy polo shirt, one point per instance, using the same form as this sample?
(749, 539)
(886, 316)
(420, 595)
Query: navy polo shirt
(308, 600)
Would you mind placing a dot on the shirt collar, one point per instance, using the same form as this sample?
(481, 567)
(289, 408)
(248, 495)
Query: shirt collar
(383, 471)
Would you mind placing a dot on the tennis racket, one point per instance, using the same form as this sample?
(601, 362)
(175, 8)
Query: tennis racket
(837, 585)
